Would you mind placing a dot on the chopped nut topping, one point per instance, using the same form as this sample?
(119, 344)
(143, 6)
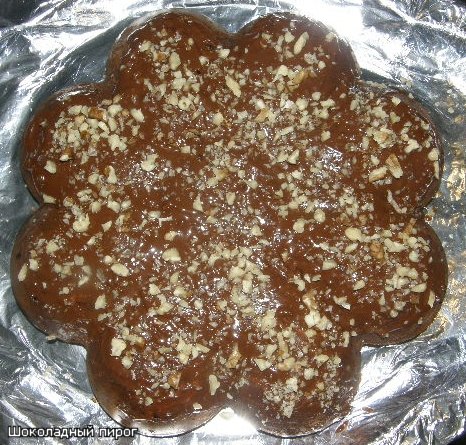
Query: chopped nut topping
(51, 247)
(289, 37)
(394, 166)
(377, 174)
(412, 145)
(319, 216)
(149, 163)
(82, 223)
(230, 159)
(325, 136)
(101, 302)
(197, 204)
(23, 272)
(293, 158)
(298, 226)
(353, 233)
(214, 384)
(255, 230)
(223, 53)
(184, 103)
(234, 357)
(359, 284)
(174, 61)
(120, 269)
(137, 115)
(231, 197)
(111, 176)
(170, 236)
(421, 287)
(218, 118)
(299, 45)
(51, 167)
(431, 299)
(118, 346)
(328, 264)
(262, 364)
(233, 86)
(172, 255)
(377, 251)
(48, 199)
(433, 155)
(165, 306)
(174, 380)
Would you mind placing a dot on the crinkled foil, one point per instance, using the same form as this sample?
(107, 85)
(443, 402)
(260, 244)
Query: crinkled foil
(409, 394)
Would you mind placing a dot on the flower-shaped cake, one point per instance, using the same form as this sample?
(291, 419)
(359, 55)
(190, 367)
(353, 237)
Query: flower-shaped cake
(226, 220)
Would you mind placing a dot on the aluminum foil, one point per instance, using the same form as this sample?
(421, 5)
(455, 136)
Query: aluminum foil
(409, 394)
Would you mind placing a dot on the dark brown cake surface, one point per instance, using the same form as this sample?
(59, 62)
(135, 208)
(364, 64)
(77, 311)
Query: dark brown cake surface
(226, 220)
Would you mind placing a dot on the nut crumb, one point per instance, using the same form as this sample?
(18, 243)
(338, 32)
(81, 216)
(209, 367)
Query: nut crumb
(100, 303)
(325, 136)
(23, 272)
(82, 223)
(137, 115)
(233, 86)
(299, 44)
(298, 226)
(172, 255)
(377, 174)
(118, 346)
(120, 269)
(214, 384)
(51, 167)
(394, 166)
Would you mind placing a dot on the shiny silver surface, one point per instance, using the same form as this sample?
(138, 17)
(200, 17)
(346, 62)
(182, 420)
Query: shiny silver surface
(413, 393)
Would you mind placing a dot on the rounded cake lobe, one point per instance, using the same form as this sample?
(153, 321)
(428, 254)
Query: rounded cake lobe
(120, 355)
(112, 396)
(67, 322)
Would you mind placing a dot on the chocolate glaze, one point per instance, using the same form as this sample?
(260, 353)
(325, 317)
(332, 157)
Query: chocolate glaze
(226, 220)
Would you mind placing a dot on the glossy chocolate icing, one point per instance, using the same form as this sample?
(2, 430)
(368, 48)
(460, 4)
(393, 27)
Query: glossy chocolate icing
(226, 220)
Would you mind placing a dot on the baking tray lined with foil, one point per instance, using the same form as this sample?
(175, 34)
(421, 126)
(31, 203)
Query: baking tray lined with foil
(413, 392)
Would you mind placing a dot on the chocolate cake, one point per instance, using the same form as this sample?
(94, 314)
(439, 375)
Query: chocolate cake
(226, 220)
